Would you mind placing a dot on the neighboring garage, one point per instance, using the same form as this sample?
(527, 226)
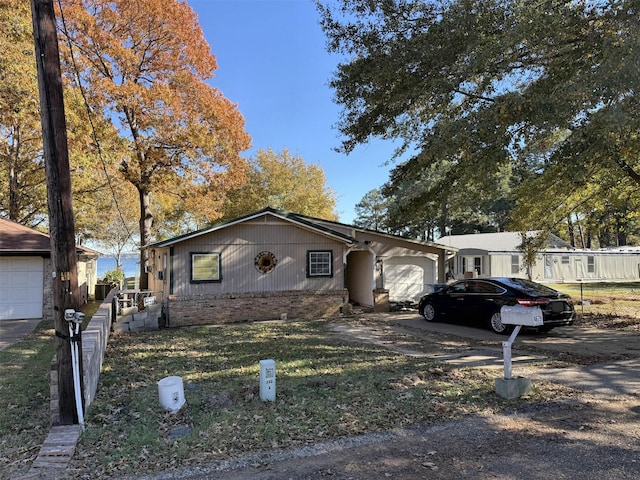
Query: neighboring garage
(22, 287)
(26, 273)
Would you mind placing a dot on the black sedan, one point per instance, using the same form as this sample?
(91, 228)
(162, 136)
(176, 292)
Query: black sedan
(482, 298)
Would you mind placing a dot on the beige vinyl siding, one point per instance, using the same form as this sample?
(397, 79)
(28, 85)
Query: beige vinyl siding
(573, 266)
(239, 245)
(615, 266)
(501, 266)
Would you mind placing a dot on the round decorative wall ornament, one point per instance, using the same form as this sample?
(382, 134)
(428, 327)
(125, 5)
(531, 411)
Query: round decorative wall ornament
(265, 262)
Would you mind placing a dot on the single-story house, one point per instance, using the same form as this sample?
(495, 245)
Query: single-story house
(272, 264)
(26, 286)
(497, 255)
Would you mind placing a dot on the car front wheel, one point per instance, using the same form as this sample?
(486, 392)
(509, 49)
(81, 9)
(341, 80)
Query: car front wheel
(429, 312)
(495, 324)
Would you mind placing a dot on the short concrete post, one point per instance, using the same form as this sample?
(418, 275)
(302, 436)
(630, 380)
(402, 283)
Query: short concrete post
(268, 380)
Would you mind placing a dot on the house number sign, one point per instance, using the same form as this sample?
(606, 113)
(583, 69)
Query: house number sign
(265, 262)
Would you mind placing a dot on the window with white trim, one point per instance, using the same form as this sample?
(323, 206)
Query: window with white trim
(515, 263)
(320, 263)
(591, 264)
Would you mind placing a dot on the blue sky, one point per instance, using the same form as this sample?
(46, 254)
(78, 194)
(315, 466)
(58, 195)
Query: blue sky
(272, 62)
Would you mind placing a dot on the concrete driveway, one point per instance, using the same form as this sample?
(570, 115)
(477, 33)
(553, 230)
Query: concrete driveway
(613, 356)
(13, 330)
(573, 339)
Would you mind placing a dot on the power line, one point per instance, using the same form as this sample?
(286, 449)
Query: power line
(89, 111)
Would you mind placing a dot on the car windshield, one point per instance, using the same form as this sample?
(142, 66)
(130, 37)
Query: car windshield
(530, 288)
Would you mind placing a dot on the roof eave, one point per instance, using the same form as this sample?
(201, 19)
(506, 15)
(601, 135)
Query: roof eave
(293, 218)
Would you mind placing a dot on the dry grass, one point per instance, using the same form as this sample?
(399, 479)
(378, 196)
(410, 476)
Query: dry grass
(327, 388)
(24, 398)
(595, 302)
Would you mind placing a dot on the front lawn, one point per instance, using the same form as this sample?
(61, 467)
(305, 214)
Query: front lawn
(327, 388)
(24, 398)
(606, 304)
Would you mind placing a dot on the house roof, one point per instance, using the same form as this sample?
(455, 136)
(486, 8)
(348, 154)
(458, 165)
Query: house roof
(324, 227)
(378, 233)
(17, 239)
(291, 217)
(496, 242)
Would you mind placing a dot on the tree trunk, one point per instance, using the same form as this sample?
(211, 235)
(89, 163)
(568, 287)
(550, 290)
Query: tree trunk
(146, 222)
(13, 193)
(621, 235)
(443, 219)
(571, 231)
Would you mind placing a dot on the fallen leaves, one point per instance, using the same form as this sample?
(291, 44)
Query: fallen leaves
(327, 388)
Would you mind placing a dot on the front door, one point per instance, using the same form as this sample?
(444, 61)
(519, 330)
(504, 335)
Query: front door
(548, 266)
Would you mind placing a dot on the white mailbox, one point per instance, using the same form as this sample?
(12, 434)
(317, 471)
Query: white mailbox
(519, 315)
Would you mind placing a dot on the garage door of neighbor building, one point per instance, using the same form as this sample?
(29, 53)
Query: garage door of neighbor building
(21, 287)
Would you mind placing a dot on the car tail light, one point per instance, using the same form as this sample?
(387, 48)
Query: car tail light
(533, 302)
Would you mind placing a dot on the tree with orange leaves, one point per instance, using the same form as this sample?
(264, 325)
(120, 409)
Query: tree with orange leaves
(144, 65)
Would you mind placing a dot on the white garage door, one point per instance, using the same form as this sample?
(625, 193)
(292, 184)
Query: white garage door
(21, 287)
(408, 278)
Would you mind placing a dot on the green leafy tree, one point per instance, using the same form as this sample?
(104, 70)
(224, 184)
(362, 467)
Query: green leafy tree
(598, 210)
(542, 88)
(427, 201)
(371, 211)
(532, 243)
(283, 181)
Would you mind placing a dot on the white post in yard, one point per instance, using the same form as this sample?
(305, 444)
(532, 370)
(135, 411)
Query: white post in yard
(268, 380)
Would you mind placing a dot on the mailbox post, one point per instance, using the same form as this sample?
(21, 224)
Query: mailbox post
(506, 351)
(519, 316)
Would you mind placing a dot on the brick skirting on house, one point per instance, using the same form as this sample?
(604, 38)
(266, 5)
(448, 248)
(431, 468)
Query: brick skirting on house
(255, 306)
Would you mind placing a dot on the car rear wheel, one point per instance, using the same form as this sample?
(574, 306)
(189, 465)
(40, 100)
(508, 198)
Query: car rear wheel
(495, 324)
(429, 312)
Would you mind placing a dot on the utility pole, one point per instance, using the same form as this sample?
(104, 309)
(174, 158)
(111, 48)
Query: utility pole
(61, 222)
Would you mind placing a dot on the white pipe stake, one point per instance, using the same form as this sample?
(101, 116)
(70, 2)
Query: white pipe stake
(76, 371)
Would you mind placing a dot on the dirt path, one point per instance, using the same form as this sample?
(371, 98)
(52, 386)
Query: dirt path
(585, 438)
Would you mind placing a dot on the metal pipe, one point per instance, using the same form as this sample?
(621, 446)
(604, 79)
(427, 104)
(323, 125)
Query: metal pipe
(506, 351)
